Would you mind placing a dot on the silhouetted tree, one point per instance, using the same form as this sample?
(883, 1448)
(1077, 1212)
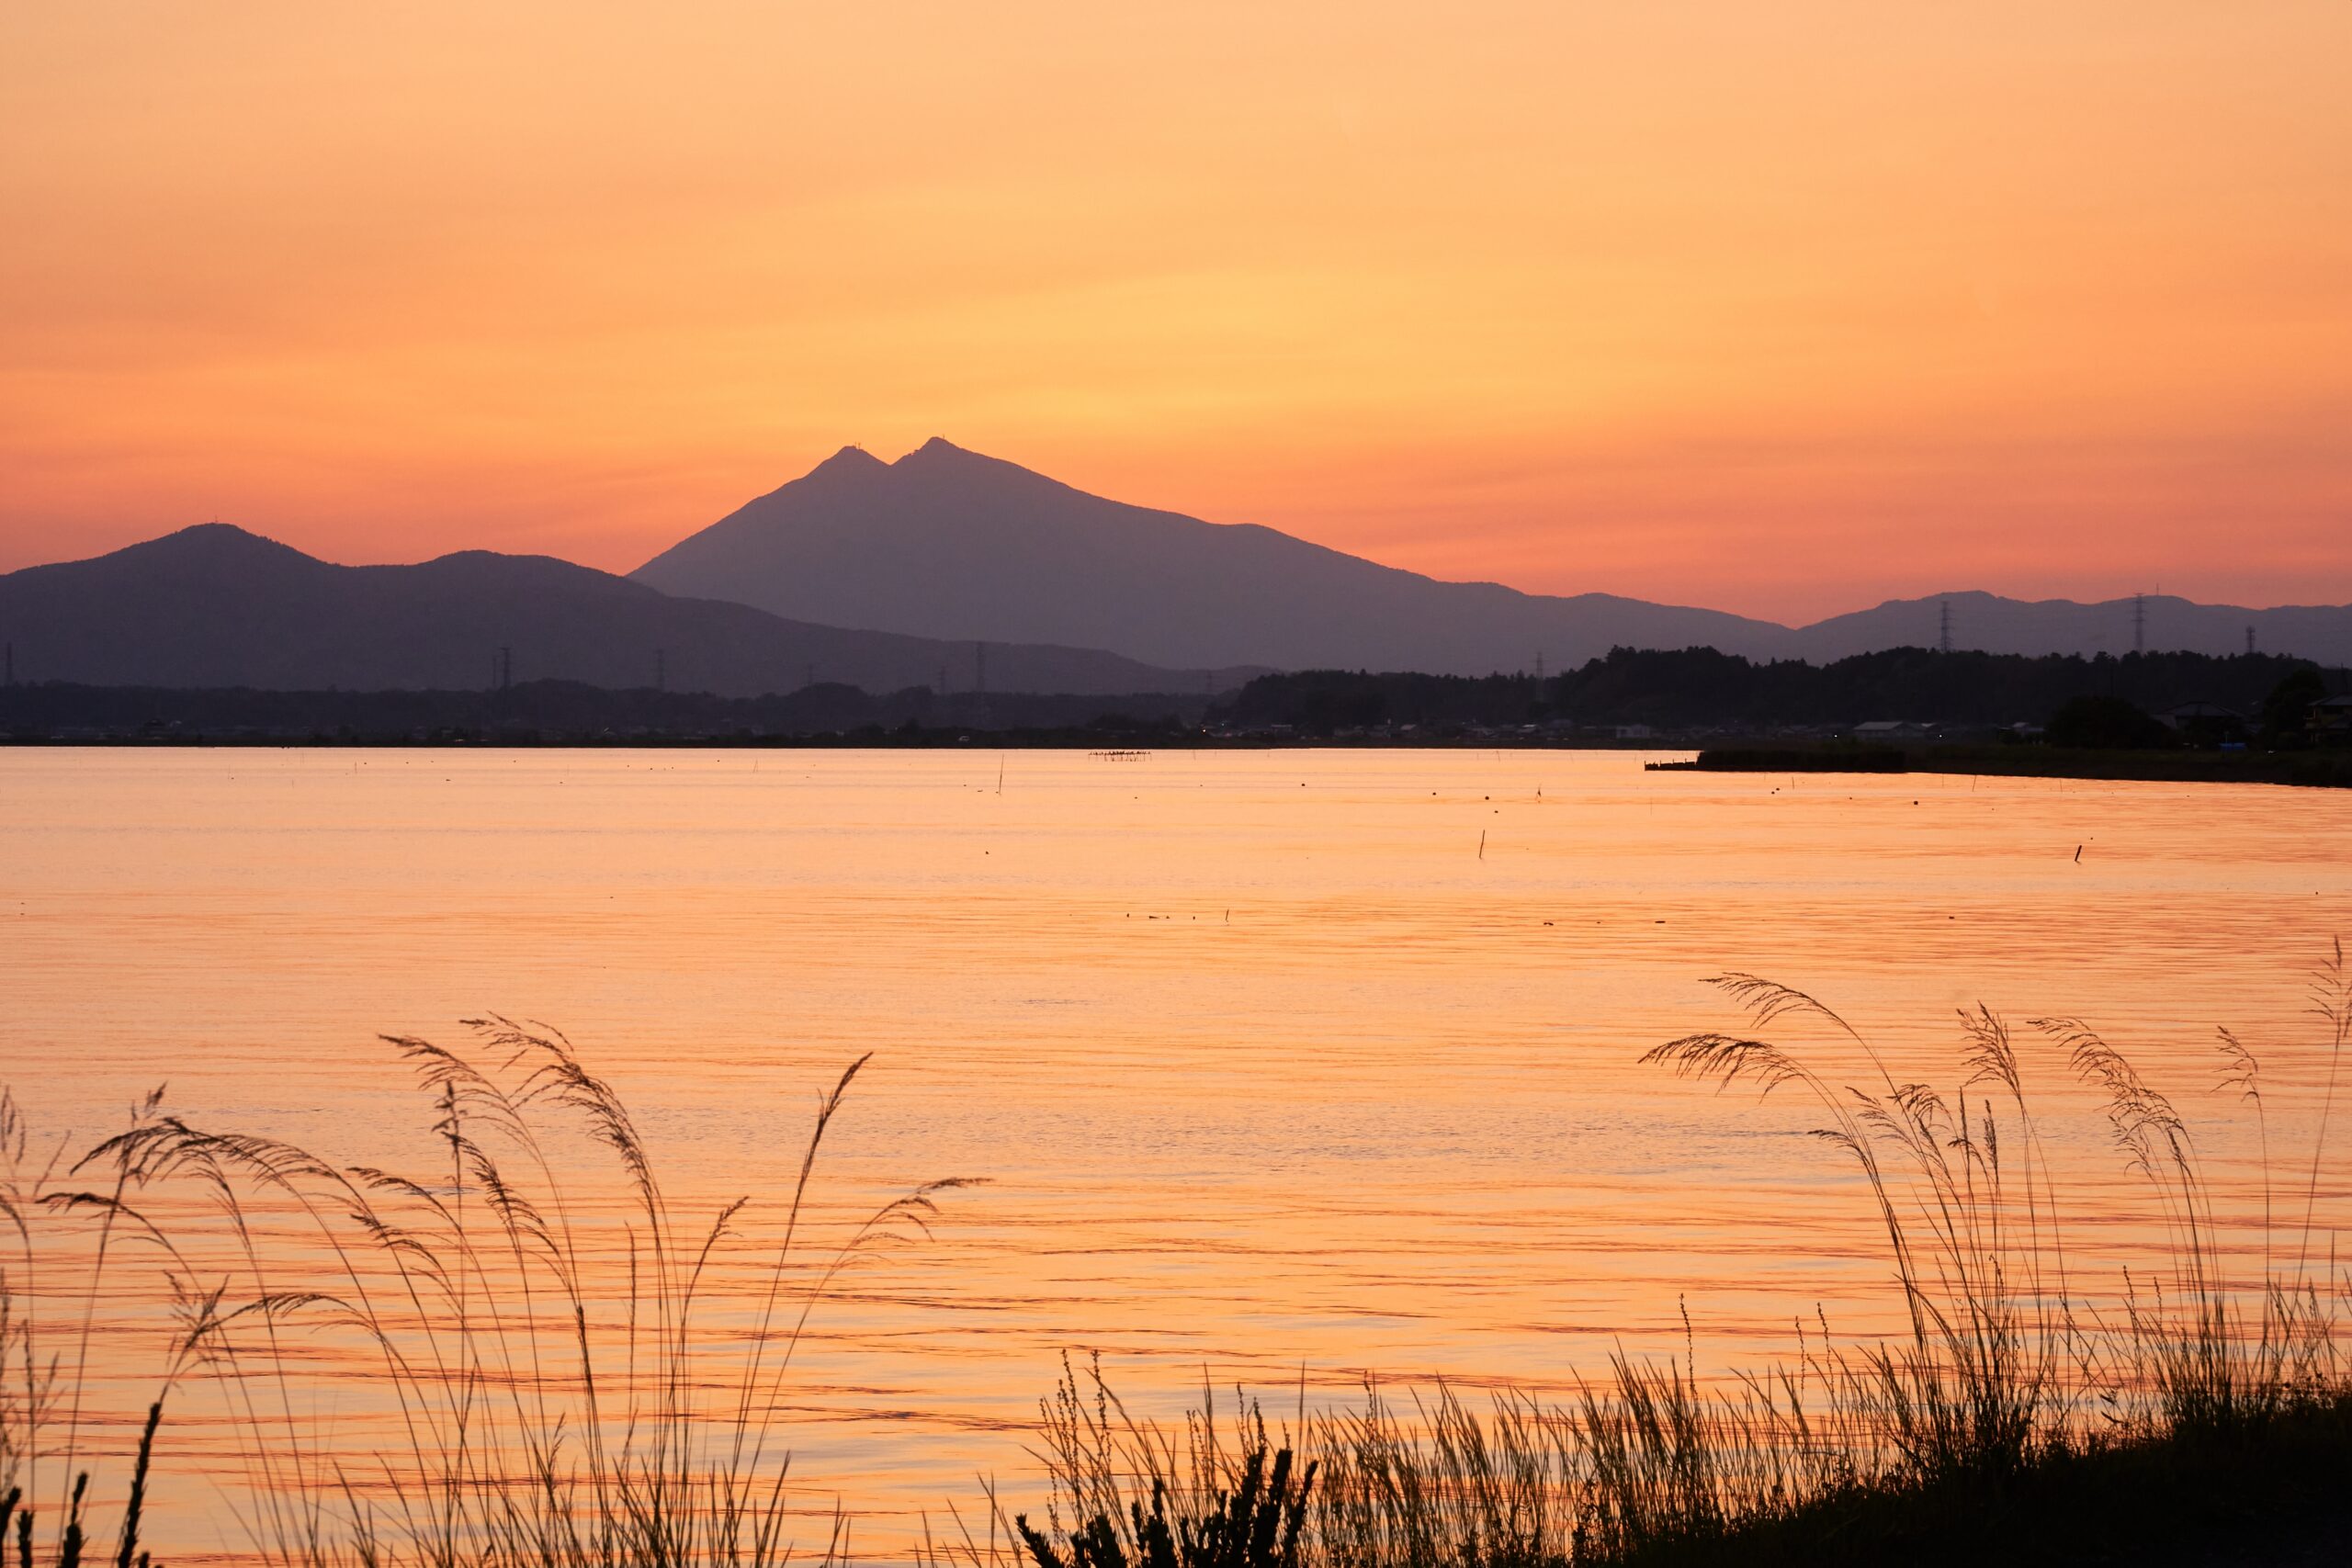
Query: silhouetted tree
(2286, 711)
(2106, 723)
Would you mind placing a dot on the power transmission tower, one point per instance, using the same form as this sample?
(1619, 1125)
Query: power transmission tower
(1539, 666)
(2249, 642)
(1943, 632)
(2139, 622)
(505, 668)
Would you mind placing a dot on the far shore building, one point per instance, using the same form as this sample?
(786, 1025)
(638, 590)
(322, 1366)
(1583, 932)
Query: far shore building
(2332, 718)
(2204, 724)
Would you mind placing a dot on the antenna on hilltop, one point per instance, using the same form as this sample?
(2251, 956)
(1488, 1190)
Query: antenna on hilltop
(1943, 631)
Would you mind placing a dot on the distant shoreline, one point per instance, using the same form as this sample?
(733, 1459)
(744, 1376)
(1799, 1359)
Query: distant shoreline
(1122, 742)
(2310, 770)
(2321, 769)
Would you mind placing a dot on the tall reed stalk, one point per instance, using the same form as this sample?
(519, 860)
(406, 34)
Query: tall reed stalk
(2006, 1375)
(542, 1379)
(537, 1379)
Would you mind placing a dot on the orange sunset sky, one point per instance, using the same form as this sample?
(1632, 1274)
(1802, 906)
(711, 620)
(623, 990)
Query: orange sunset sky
(1784, 309)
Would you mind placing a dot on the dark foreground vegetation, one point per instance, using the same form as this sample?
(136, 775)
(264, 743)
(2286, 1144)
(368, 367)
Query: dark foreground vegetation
(2192, 1416)
(2273, 1491)
(2197, 1410)
(1454, 1487)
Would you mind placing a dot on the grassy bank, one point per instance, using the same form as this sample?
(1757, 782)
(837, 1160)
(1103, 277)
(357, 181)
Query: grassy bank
(549, 1399)
(2276, 1490)
(1599, 1482)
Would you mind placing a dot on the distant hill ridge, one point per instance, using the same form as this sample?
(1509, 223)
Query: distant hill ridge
(216, 607)
(949, 542)
(886, 575)
(1990, 623)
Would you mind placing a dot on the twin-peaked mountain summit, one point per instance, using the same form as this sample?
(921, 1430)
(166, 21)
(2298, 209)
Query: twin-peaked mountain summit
(949, 542)
(964, 546)
(943, 568)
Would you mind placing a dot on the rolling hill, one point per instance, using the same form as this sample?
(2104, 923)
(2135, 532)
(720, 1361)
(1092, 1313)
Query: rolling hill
(214, 606)
(1992, 624)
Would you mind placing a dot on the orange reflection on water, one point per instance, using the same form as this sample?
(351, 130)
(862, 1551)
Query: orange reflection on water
(1270, 1069)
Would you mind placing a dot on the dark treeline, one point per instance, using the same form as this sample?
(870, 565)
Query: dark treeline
(563, 711)
(1695, 688)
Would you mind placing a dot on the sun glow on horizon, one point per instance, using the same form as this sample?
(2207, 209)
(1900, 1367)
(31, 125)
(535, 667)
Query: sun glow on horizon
(1783, 312)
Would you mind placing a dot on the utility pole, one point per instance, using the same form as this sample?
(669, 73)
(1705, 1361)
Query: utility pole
(1943, 633)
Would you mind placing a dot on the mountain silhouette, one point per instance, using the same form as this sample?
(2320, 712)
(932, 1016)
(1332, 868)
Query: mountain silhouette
(214, 605)
(923, 557)
(949, 542)
(2035, 626)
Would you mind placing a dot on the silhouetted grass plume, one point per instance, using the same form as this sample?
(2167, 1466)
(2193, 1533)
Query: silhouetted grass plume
(541, 1392)
(2016, 1419)
(546, 1379)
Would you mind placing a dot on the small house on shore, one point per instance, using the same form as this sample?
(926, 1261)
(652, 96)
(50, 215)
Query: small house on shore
(2332, 718)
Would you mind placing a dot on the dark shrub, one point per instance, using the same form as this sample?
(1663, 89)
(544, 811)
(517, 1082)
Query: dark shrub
(2106, 723)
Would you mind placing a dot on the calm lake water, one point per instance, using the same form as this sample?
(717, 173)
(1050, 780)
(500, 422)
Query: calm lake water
(1278, 1066)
